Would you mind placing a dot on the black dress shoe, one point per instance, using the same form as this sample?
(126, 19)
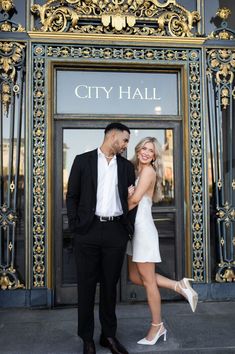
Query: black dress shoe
(113, 344)
(89, 347)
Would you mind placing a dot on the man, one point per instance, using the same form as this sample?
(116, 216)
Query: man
(99, 218)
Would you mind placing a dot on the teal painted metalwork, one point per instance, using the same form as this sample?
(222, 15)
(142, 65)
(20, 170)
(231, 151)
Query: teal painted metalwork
(12, 72)
(191, 58)
(221, 93)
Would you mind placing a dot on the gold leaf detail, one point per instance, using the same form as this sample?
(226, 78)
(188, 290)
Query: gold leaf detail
(6, 5)
(223, 13)
(117, 16)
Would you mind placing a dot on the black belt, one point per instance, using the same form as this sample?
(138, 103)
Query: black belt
(108, 218)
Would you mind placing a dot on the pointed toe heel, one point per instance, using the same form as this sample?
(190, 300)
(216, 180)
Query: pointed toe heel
(159, 334)
(190, 294)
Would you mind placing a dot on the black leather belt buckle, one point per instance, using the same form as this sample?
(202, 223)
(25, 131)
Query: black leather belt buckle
(108, 218)
(105, 218)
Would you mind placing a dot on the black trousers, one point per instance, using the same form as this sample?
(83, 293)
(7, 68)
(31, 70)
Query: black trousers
(99, 257)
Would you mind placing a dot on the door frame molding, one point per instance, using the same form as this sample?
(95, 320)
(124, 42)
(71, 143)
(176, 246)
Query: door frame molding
(61, 293)
(189, 62)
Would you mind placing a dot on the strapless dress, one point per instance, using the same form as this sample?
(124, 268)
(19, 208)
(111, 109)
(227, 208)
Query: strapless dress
(144, 247)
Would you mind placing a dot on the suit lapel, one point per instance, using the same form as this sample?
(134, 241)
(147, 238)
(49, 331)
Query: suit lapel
(120, 174)
(93, 164)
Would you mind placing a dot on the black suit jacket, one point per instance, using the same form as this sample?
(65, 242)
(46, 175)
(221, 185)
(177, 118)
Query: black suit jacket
(82, 188)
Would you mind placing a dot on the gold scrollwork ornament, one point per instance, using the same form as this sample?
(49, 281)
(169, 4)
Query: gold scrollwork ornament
(118, 16)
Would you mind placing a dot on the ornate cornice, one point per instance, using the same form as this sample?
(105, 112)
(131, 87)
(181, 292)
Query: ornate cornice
(135, 17)
(107, 38)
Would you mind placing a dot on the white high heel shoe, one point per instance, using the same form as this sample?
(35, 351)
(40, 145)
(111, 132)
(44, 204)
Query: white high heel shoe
(189, 293)
(145, 341)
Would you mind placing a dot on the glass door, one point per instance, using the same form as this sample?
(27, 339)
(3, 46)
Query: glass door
(70, 142)
(72, 138)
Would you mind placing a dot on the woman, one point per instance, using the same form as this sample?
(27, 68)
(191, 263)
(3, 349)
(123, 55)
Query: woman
(143, 251)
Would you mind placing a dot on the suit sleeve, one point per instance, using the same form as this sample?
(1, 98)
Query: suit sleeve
(73, 194)
(131, 175)
(131, 213)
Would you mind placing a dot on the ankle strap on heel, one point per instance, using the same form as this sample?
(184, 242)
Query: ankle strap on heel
(176, 284)
(156, 325)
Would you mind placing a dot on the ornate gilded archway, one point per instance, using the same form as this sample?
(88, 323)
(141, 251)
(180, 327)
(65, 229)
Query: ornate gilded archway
(144, 32)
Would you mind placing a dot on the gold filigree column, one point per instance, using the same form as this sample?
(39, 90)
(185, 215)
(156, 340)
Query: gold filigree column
(12, 58)
(221, 94)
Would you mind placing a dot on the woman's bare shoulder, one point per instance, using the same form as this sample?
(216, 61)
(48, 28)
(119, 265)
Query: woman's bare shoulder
(148, 172)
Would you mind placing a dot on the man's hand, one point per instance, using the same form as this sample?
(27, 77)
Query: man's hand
(131, 190)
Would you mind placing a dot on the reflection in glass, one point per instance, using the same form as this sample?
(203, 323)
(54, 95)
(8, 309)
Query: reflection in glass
(227, 167)
(165, 224)
(210, 20)
(69, 264)
(20, 12)
(190, 5)
(75, 142)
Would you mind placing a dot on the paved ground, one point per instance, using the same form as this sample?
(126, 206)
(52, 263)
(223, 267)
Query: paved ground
(210, 330)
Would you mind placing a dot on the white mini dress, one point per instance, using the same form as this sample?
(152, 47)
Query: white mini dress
(144, 247)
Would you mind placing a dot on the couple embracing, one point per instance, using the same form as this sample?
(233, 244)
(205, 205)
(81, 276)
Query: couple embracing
(109, 201)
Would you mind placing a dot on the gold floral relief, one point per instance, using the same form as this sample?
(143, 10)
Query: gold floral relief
(222, 67)
(138, 17)
(223, 13)
(11, 56)
(223, 33)
(6, 5)
(6, 25)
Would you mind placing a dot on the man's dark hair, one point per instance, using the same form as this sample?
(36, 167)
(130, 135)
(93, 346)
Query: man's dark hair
(116, 126)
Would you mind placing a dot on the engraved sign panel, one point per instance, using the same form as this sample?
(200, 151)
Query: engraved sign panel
(112, 92)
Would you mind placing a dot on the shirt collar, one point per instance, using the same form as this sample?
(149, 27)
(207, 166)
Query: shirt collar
(100, 153)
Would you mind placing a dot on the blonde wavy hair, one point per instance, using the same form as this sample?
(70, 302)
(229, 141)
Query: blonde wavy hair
(157, 164)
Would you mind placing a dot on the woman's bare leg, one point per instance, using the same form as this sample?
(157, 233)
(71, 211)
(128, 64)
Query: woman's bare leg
(162, 282)
(134, 274)
(147, 274)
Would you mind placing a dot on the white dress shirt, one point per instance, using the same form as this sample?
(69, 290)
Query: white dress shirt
(108, 200)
